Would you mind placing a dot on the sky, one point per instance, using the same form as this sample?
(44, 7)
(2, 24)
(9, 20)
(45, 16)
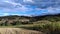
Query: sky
(29, 7)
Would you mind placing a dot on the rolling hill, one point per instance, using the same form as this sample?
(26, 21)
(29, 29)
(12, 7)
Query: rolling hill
(47, 24)
(15, 19)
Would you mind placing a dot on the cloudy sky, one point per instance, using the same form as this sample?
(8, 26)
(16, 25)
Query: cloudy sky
(29, 7)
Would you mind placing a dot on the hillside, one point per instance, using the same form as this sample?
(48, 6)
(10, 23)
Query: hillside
(15, 19)
(47, 24)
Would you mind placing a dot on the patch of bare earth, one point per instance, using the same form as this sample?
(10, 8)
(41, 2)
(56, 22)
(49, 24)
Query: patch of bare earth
(17, 31)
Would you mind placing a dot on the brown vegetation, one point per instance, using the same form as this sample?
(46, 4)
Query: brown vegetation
(17, 31)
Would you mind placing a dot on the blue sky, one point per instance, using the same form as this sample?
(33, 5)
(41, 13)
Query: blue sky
(29, 7)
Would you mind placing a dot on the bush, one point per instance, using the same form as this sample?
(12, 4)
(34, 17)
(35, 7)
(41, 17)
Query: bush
(49, 28)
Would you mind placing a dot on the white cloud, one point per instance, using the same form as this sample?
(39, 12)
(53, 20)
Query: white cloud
(13, 3)
(53, 10)
(28, 1)
(14, 14)
(5, 14)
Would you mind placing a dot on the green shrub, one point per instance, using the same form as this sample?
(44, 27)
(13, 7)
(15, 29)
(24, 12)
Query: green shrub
(50, 28)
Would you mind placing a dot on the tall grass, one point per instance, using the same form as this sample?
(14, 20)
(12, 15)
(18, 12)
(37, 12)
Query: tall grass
(48, 28)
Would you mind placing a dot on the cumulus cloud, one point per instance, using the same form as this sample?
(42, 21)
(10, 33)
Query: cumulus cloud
(4, 14)
(53, 10)
(11, 5)
(32, 6)
(38, 3)
(28, 1)
(19, 3)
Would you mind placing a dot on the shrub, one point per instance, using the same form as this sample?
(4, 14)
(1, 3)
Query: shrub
(48, 28)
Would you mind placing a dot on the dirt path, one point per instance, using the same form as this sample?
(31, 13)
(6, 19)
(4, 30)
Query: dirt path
(17, 31)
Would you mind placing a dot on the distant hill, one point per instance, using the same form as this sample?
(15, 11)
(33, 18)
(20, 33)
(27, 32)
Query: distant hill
(10, 17)
(15, 19)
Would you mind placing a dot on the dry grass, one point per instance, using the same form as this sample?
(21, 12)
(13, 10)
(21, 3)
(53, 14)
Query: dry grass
(17, 31)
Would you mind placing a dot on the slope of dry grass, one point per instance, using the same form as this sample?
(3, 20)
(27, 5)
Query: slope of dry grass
(17, 31)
